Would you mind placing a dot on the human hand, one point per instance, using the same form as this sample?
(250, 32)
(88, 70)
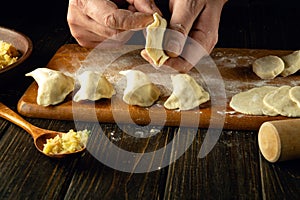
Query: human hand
(192, 33)
(94, 21)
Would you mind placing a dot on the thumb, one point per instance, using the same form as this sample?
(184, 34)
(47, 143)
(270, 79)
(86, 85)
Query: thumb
(184, 13)
(145, 6)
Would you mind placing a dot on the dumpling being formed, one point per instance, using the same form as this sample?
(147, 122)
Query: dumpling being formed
(154, 40)
(139, 89)
(93, 86)
(53, 86)
(187, 93)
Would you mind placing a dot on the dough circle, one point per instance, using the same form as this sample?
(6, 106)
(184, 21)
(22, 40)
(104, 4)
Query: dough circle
(292, 63)
(251, 101)
(268, 67)
(279, 100)
(294, 94)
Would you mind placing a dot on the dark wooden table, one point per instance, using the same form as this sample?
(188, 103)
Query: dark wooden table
(234, 169)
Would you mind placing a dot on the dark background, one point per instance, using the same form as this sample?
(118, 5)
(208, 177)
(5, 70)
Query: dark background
(263, 24)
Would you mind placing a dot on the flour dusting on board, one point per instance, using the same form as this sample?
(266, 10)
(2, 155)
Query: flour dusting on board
(232, 60)
(110, 63)
(235, 70)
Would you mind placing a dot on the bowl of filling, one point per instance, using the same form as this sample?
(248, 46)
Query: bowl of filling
(15, 48)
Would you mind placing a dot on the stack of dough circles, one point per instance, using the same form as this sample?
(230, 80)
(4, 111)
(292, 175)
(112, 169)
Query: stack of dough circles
(268, 100)
(268, 67)
(294, 94)
(279, 100)
(251, 101)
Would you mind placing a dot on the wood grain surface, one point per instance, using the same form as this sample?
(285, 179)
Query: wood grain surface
(236, 75)
(234, 169)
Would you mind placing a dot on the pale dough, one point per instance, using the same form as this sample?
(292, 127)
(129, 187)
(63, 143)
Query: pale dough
(93, 86)
(154, 40)
(251, 101)
(53, 86)
(268, 100)
(280, 101)
(292, 63)
(268, 111)
(268, 67)
(187, 93)
(295, 94)
(139, 89)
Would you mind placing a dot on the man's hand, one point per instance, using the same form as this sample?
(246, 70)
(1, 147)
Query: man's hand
(192, 33)
(94, 21)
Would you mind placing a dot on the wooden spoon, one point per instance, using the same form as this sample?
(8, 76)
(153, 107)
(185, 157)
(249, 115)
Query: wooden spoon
(39, 135)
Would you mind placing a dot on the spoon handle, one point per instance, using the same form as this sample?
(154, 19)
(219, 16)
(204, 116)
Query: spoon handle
(10, 115)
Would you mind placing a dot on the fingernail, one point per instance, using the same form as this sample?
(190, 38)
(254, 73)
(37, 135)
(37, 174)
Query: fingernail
(111, 21)
(174, 47)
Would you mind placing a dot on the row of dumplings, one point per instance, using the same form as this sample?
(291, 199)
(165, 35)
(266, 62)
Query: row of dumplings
(54, 86)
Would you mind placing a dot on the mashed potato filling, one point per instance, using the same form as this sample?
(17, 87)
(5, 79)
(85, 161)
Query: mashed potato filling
(8, 54)
(67, 143)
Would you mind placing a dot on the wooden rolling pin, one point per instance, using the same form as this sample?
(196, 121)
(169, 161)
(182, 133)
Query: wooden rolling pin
(280, 140)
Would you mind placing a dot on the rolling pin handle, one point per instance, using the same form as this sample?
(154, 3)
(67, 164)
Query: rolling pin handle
(280, 140)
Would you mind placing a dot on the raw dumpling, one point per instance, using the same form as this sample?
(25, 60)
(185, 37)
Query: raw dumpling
(292, 63)
(154, 40)
(139, 90)
(187, 93)
(93, 86)
(268, 67)
(53, 86)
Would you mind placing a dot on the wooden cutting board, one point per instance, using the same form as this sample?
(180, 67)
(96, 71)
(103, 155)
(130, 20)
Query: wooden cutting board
(234, 66)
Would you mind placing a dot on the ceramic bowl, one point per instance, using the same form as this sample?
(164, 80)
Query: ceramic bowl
(20, 41)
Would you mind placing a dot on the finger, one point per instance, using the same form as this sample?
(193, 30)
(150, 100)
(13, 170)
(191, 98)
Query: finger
(191, 55)
(77, 17)
(91, 40)
(179, 64)
(193, 52)
(128, 20)
(109, 15)
(122, 37)
(174, 40)
(205, 29)
(86, 38)
(132, 8)
(114, 41)
(98, 9)
(145, 55)
(145, 6)
(184, 13)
